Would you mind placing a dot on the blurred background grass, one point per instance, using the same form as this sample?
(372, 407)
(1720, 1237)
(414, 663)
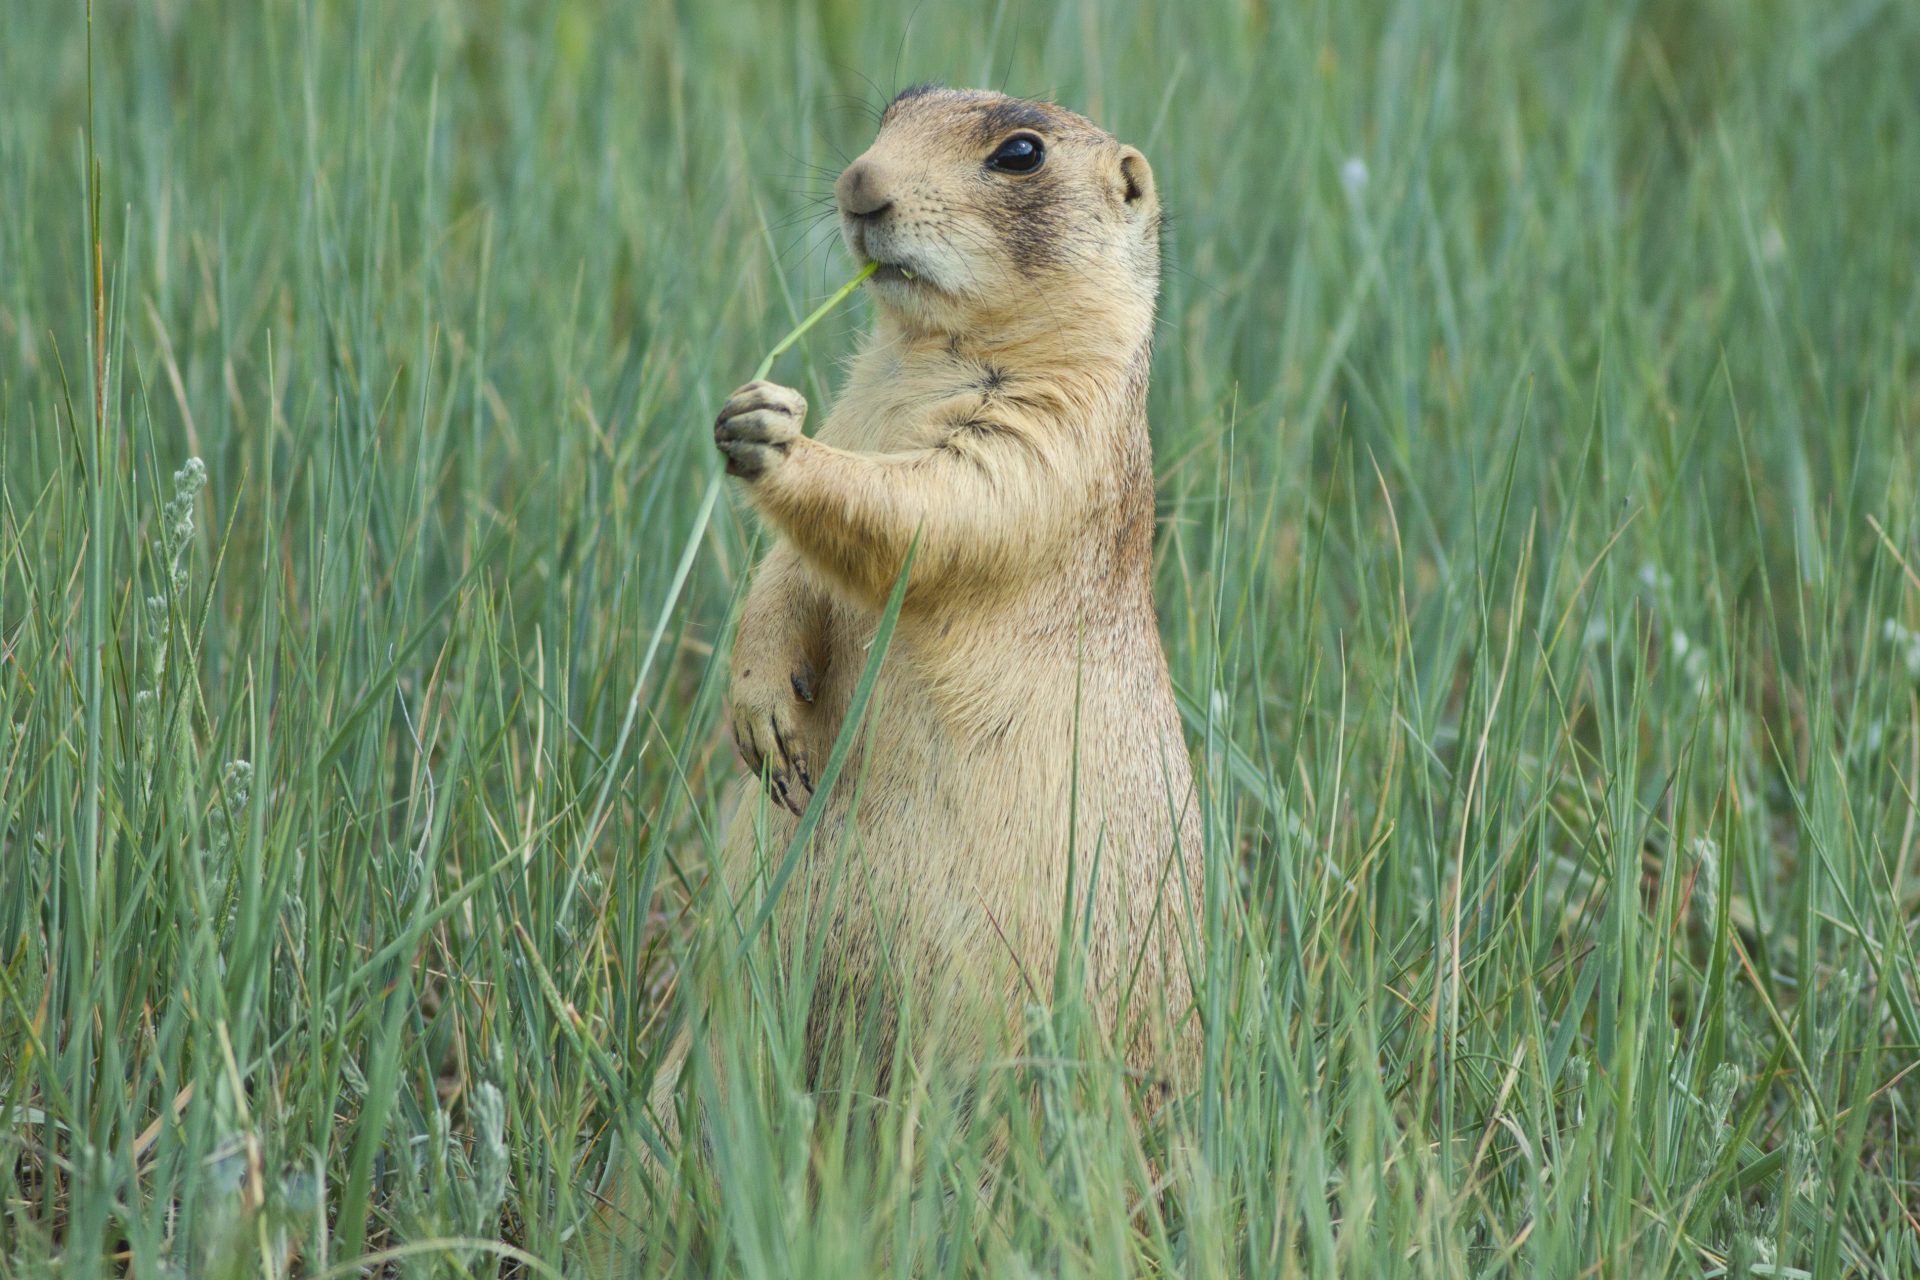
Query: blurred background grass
(1536, 420)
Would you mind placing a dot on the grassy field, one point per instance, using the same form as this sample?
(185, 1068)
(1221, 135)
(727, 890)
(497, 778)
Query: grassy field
(1537, 414)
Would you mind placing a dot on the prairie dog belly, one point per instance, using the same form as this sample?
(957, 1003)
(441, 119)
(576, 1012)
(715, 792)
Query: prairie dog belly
(959, 811)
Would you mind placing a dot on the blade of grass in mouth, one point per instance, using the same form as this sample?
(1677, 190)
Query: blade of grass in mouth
(818, 314)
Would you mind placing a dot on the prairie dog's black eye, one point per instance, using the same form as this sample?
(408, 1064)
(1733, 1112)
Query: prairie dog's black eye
(1022, 153)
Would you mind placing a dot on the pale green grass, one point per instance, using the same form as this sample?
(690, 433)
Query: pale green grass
(1538, 421)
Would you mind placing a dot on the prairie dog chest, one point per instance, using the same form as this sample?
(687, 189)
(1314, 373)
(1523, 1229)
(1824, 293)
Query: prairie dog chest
(895, 405)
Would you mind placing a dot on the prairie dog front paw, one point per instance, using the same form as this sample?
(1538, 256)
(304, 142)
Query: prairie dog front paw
(757, 426)
(773, 729)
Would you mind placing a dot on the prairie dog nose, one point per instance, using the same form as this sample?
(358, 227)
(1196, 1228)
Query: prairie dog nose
(861, 190)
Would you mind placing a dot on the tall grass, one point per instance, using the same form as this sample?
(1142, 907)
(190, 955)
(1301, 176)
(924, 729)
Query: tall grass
(1537, 413)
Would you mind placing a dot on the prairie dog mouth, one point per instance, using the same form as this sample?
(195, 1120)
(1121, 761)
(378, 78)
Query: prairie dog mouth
(895, 271)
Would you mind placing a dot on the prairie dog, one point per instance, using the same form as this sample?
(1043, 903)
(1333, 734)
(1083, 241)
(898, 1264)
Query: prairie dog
(1024, 716)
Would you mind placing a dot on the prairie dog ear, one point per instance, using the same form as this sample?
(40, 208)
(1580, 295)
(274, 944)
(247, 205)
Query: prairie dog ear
(1134, 181)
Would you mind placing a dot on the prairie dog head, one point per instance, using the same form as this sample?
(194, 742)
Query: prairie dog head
(987, 213)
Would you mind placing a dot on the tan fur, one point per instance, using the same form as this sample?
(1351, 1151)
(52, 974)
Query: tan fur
(998, 411)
